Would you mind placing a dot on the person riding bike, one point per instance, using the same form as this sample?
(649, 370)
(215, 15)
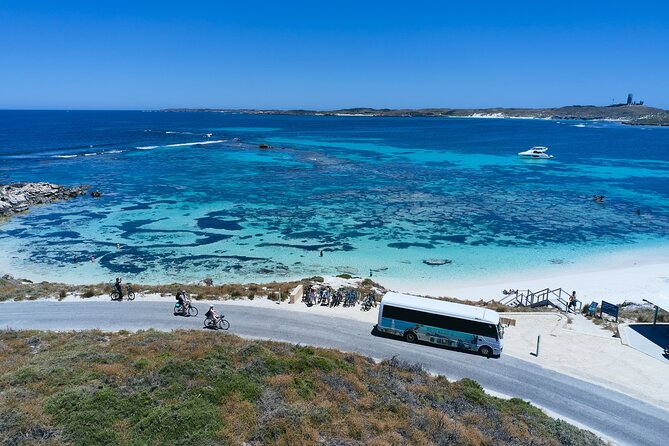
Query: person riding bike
(182, 299)
(118, 288)
(213, 315)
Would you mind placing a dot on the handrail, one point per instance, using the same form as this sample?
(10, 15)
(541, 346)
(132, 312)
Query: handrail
(524, 298)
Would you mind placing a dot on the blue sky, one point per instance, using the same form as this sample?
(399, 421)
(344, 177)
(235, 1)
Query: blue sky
(324, 55)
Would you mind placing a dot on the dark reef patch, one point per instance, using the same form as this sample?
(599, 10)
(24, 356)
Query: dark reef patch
(401, 245)
(130, 227)
(304, 247)
(215, 223)
(449, 238)
(63, 234)
(315, 234)
(147, 205)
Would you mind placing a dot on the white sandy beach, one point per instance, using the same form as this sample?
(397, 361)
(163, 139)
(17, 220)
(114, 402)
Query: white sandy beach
(627, 276)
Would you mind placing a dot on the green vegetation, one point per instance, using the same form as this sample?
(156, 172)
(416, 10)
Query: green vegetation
(636, 313)
(201, 387)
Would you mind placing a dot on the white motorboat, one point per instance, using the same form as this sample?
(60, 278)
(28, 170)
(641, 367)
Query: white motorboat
(536, 152)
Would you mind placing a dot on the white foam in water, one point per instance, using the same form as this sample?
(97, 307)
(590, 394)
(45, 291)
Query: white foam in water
(64, 156)
(185, 144)
(195, 143)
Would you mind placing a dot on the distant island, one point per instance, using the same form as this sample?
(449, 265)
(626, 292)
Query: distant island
(631, 114)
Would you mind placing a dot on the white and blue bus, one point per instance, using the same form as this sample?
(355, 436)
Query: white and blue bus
(440, 322)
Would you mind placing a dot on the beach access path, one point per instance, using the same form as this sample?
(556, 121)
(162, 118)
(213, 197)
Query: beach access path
(615, 416)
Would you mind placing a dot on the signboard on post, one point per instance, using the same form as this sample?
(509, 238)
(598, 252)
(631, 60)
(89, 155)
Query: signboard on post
(592, 308)
(609, 308)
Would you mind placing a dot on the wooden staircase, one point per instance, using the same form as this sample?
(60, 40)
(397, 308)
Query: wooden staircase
(557, 298)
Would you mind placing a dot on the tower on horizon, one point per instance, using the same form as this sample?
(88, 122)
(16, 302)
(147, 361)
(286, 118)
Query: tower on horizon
(629, 99)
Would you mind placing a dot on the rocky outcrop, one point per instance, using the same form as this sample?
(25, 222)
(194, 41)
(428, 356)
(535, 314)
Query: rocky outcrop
(19, 197)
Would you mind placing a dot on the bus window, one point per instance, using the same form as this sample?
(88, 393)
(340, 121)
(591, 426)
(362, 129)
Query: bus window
(439, 321)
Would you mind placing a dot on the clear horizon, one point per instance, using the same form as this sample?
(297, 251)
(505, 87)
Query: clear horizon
(75, 55)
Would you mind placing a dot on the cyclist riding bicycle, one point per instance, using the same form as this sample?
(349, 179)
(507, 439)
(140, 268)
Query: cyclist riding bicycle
(212, 314)
(182, 299)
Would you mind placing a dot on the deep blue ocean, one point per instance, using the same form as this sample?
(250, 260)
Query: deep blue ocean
(191, 195)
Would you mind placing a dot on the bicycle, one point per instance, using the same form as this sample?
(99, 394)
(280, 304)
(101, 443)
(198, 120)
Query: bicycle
(187, 310)
(129, 293)
(368, 302)
(222, 323)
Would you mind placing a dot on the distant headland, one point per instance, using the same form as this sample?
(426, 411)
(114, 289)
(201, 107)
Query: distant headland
(631, 113)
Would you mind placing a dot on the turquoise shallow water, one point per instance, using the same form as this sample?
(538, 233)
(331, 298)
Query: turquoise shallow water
(190, 195)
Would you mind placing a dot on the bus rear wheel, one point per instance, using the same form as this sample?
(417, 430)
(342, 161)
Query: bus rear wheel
(410, 336)
(485, 351)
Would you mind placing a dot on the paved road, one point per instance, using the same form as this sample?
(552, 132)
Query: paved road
(619, 417)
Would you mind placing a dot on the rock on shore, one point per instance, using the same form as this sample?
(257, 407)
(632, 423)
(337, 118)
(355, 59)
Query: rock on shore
(19, 197)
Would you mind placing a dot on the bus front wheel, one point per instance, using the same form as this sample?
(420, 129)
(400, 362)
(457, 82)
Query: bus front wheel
(485, 351)
(410, 336)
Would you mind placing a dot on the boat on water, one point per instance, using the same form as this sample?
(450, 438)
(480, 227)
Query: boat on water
(536, 152)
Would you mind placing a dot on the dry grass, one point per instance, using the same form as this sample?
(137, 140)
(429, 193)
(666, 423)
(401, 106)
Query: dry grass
(12, 289)
(636, 313)
(205, 387)
(17, 290)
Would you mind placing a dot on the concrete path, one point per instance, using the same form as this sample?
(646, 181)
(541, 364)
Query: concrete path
(618, 417)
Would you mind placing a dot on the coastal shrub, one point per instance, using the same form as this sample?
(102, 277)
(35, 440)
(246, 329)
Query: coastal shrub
(251, 295)
(91, 388)
(345, 276)
(304, 388)
(62, 294)
(89, 292)
(472, 390)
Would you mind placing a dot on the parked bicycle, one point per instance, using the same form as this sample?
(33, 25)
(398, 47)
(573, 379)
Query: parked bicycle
(368, 302)
(351, 298)
(221, 324)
